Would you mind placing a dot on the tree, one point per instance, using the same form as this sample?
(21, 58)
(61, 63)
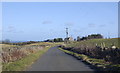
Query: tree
(83, 38)
(48, 40)
(92, 36)
(78, 38)
(58, 40)
(95, 36)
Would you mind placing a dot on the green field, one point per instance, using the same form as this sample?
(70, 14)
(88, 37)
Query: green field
(99, 42)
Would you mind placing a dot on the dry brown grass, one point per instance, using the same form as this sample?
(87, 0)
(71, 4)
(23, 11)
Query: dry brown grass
(11, 53)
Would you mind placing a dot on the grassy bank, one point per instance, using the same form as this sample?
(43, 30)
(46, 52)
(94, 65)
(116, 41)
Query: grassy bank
(24, 62)
(94, 42)
(107, 49)
(99, 64)
(101, 53)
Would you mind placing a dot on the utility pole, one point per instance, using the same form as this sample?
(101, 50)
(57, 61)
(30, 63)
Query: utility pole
(66, 32)
(66, 39)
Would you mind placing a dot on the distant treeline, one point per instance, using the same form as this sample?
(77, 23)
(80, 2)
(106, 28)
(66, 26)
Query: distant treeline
(54, 40)
(92, 36)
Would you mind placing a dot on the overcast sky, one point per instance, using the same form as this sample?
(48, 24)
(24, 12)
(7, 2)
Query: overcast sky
(46, 20)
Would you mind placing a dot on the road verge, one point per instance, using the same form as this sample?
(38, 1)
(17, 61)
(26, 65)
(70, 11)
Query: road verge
(24, 63)
(99, 64)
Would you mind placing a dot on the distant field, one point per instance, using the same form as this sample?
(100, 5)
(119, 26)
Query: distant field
(45, 43)
(94, 42)
(7, 46)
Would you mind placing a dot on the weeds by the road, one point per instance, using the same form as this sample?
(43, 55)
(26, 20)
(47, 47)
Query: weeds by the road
(17, 58)
(23, 63)
(100, 64)
(106, 49)
(103, 53)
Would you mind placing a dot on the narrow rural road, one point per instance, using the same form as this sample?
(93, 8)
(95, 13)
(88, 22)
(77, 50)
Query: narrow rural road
(56, 60)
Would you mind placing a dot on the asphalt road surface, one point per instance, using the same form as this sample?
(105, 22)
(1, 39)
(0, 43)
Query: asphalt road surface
(56, 60)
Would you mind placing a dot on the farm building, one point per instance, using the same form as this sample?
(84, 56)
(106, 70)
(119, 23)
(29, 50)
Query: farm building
(69, 39)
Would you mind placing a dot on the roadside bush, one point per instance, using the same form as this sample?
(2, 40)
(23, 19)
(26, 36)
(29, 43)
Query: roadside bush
(17, 53)
(111, 55)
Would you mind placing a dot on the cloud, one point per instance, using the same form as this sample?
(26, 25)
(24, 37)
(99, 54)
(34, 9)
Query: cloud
(12, 29)
(102, 25)
(91, 25)
(47, 22)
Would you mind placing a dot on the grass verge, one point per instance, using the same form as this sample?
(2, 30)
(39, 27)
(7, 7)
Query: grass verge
(24, 63)
(99, 64)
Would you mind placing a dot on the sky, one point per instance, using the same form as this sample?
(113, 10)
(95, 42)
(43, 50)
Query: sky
(38, 21)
